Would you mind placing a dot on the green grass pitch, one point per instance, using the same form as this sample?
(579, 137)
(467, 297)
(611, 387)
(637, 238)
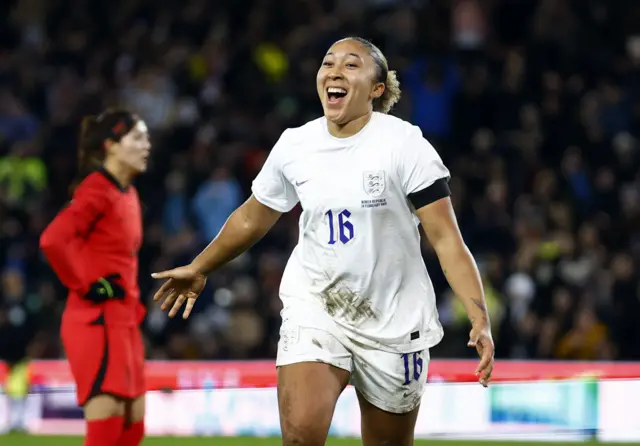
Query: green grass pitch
(25, 440)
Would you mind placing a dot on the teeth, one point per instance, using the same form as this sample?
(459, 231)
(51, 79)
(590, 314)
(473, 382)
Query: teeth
(336, 90)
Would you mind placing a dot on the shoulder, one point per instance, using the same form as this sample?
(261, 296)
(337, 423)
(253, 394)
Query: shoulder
(409, 147)
(293, 140)
(94, 187)
(300, 135)
(395, 136)
(311, 127)
(408, 136)
(400, 129)
(94, 183)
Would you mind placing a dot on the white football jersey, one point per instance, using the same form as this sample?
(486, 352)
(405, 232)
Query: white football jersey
(358, 256)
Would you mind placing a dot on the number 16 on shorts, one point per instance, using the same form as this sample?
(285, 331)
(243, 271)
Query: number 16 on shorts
(412, 367)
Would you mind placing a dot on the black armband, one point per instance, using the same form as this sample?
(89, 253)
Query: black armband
(439, 189)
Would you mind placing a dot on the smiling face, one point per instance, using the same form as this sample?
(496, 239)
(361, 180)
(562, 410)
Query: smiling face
(346, 82)
(133, 149)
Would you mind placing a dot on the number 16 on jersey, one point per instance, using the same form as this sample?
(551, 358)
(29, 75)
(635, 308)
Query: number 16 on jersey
(345, 230)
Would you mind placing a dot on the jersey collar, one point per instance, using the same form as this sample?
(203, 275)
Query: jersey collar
(112, 180)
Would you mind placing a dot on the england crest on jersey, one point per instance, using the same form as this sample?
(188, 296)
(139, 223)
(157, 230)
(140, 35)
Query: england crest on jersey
(374, 182)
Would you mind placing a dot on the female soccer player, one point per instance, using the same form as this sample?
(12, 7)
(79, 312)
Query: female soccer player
(92, 245)
(359, 306)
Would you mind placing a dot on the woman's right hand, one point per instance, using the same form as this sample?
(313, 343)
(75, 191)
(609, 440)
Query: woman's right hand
(184, 284)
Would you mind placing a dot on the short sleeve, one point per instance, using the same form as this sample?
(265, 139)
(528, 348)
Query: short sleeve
(423, 175)
(270, 187)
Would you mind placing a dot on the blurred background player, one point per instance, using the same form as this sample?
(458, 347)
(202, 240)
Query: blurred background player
(14, 340)
(92, 245)
(359, 305)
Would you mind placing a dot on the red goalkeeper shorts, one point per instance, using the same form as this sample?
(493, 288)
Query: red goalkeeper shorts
(104, 360)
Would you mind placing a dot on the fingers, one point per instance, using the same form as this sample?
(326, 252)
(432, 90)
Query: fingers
(485, 360)
(169, 300)
(163, 289)
(176, 306)
(485, 367)
(162, 274)
(486, 376)
(181, 272)
(191, 300)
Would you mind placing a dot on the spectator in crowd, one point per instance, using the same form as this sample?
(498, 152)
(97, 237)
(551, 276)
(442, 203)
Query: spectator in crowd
(215, 200)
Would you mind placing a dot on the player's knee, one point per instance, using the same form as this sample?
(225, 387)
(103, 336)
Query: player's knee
(388, 436)
(302, 427)
(304, 422)
(302, 433)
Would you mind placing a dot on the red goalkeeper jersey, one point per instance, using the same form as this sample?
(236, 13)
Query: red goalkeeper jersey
(98, 234)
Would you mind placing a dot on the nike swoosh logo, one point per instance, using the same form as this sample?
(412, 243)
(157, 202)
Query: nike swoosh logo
(300, 183)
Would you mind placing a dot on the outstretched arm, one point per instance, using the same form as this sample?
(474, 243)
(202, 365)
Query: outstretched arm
(245, 227)
(439, 223)
(273, 195)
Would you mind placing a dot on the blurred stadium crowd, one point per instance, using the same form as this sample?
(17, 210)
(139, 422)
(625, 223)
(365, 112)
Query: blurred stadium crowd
(534, 106)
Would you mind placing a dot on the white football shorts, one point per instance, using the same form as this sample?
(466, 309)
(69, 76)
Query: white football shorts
(393, 382)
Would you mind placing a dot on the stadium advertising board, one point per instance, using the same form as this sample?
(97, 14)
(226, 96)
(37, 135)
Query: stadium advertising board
(251, 374)
(448, 410)
(209, 399)
(618, 419)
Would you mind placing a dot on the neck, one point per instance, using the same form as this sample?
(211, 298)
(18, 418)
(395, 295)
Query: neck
(350, 128)
(119, 172)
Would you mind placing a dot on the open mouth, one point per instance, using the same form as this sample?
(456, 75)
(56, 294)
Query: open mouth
(335, 95)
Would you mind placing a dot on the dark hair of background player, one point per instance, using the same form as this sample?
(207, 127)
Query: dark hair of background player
(112, 125)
